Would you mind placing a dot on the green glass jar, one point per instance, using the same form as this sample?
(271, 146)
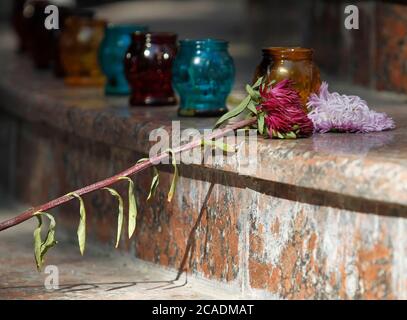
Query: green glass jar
(203, 76)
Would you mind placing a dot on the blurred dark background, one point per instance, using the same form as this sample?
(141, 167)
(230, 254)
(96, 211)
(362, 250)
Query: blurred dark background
(375, 56)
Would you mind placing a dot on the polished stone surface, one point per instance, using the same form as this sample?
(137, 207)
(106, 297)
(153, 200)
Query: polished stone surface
(368, 166)
(322, 217)
(91, 278)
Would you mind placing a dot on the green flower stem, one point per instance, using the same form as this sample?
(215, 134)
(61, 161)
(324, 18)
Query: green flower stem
(28, 214)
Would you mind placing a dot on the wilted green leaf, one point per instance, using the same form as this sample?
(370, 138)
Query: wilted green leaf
(219, 144)
(41, 247)
(38, 243)
(234, 112)
(120, 214)
(50, 238)
(143, 160)
(154, 183)
(175, 177)
(132, 207)
(82, 223)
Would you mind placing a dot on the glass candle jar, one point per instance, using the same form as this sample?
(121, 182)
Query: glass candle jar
(203, 75)
(290, 63)
(64, 13)
(79, 48)
(111, 55)
(148, 68)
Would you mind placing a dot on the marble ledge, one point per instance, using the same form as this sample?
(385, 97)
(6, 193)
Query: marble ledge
(366, 167)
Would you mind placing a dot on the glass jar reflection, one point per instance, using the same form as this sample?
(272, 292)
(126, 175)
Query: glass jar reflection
(203, 76)
(148, 68)
(112, 52)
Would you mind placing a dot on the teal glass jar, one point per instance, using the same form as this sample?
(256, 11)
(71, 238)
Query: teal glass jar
(203, 76)
(112, 53)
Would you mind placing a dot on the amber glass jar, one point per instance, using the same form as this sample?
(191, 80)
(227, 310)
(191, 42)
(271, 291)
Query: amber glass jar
(148, 68)
(295, 63)
(79, 48)
(64, 14)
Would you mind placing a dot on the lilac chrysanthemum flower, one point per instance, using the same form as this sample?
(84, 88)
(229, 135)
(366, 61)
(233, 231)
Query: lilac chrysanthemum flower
(332, 111)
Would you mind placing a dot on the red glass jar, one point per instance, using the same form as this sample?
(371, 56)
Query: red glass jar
(148, 68)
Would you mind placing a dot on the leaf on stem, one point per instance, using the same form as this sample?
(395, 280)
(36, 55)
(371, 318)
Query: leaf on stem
(260, 123)
(271, 83)
(254, 95)
(258, 83)
(234, 112)
(38, 243)
(82, 222)
(120, 214)
(290, 135)
(41, 247)
(252, 107)
(219, 144)
(132, 207)
(143, 160)
(175, 177)
(154, 183)
(247, 103)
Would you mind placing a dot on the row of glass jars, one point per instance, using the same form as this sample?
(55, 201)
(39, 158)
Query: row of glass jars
(147, 64)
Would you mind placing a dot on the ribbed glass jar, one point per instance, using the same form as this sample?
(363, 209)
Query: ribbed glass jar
(295, 63)
(79, 51)
(64, 14)
(148, 68)
(111, 55)
(203, 76)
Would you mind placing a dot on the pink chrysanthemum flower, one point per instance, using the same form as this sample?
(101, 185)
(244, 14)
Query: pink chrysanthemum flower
(284, 112)
(332, 111)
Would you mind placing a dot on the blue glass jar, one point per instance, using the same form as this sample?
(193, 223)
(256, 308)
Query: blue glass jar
(111, 56)
(203, 76)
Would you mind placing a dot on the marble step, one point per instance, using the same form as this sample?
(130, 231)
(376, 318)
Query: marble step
(102, 273)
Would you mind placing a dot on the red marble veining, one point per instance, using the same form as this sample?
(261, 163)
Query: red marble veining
(323, 217)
